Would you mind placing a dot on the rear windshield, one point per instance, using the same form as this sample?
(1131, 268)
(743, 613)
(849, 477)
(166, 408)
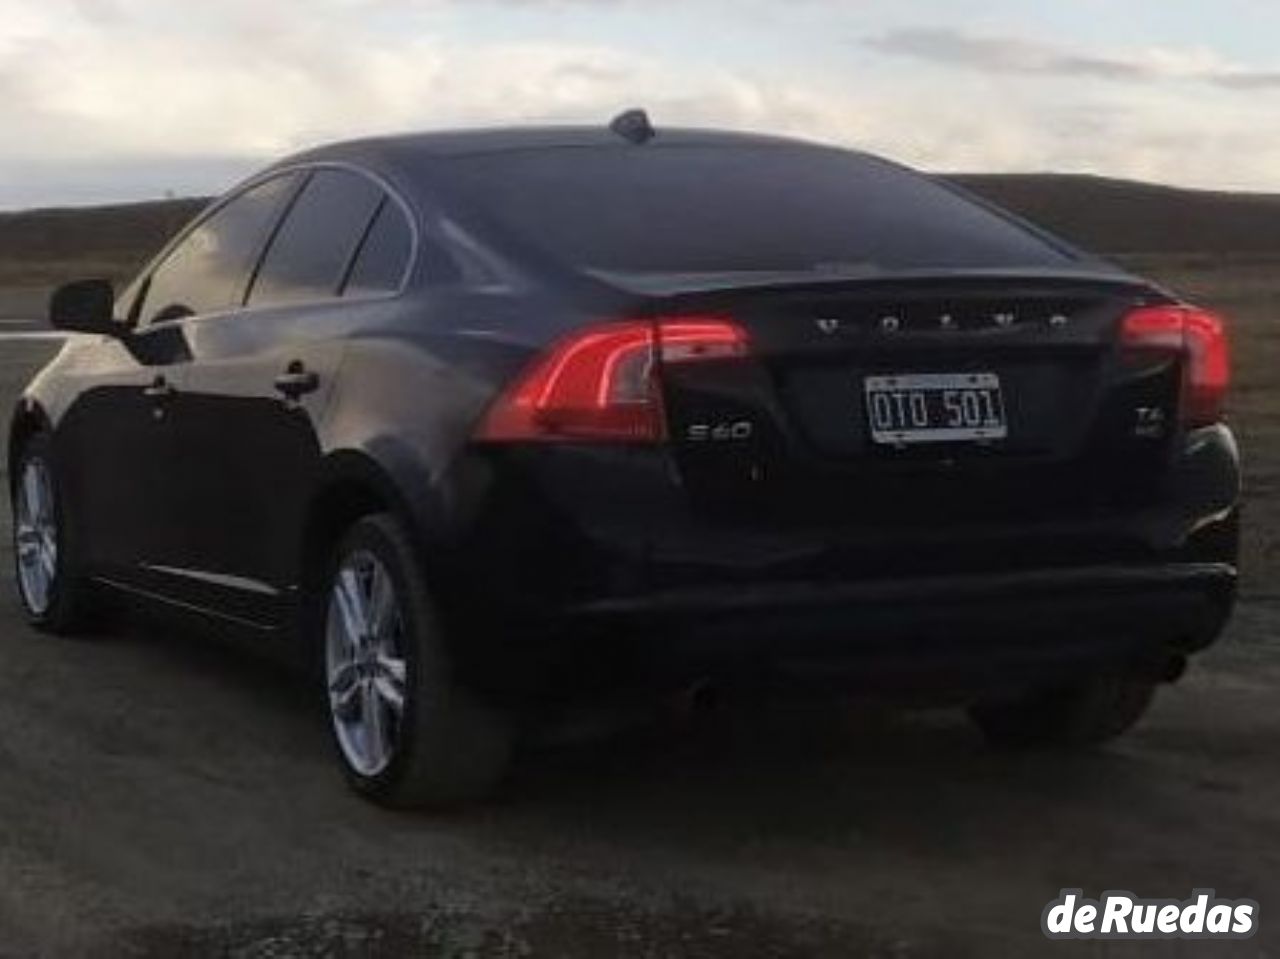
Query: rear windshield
(721, 209)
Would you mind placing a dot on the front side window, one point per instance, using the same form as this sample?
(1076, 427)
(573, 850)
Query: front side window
(314, 245)
(207, 271)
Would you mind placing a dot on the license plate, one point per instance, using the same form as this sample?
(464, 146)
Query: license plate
(935, 408)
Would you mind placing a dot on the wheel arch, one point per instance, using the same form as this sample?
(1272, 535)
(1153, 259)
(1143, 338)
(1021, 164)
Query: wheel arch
(28, 419)
(351, 485)
(357, 483)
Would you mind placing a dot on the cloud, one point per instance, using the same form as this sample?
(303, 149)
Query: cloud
(1246, 79)
(132, 98)
(1012, 55)
(1000, 54)
(190, 93)
(264, 84)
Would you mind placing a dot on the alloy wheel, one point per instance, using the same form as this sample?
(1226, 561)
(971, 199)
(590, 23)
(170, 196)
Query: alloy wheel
(36, 535)
(365, 664)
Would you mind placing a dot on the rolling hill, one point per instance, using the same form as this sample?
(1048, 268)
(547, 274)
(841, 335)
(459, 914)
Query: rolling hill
(43, 247)
(1124, 217)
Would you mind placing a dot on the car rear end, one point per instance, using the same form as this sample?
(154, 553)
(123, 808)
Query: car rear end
(862, 431)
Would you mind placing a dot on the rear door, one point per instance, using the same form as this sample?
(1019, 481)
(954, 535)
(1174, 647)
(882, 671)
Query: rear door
(258, 388)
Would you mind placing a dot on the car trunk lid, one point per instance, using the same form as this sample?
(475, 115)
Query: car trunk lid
(919, 400)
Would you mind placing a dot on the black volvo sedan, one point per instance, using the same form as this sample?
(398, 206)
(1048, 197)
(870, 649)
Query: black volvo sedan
(489, 423)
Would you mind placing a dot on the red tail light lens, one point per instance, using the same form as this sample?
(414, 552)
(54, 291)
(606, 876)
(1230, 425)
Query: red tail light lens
(1202, 339)
(600, 384)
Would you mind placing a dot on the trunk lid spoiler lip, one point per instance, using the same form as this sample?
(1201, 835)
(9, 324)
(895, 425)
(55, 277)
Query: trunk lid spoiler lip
(681, 285)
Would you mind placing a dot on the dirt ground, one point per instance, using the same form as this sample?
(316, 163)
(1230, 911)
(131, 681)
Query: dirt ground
(162, 796)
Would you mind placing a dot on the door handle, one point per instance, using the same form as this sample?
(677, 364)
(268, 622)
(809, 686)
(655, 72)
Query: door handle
(160, 390)
(297, 381)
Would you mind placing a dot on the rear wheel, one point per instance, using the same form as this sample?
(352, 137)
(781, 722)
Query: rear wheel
(406, 733)
(1084, 713)
(54, 595)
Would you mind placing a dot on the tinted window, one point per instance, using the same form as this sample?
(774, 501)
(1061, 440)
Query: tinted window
(315, 243)
(208, 270)
(695, 209)
(384, 257)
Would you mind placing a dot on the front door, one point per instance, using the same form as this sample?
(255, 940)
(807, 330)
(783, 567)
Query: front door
(116, 446)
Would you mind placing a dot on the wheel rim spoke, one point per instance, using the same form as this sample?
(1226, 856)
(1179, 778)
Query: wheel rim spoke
(350, 604)
(31, 488)
(347, 706)
(390, 693)
(29, 540)
(393, 668)
(371, 710)
(344, 688)
(48, 563)
(382, 603)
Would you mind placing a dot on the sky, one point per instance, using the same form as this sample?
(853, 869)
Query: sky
(113, 100)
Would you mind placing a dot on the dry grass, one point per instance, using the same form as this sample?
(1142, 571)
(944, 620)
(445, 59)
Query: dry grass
(42, 248)
(47, 274)
(1120, 216)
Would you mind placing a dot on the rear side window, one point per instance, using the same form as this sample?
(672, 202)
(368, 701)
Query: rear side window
(314, 245)
(208, 270)
(380, 266)
(731, 208)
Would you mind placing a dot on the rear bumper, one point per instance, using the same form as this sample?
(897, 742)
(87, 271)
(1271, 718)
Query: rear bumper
(587, 569)
(947, 602)
(944, 633)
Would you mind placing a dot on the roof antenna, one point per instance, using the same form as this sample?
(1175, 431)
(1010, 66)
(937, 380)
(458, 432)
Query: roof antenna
(634, 127)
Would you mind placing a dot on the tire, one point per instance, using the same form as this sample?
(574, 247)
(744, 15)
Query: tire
(55, 596)
(1086, 713)
(441, 746)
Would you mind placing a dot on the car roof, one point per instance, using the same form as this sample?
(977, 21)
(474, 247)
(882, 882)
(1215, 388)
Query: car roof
(390, 150)
(402, 159)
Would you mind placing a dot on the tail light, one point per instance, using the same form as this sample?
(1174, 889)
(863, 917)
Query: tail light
(601, 383)
(1201, 338)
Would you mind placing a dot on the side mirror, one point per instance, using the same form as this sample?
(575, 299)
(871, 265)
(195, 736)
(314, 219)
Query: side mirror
(86, 306)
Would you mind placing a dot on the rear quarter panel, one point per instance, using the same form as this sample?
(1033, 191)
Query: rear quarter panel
(415, 378)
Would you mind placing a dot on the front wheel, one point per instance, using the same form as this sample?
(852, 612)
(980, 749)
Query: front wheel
(54, 596)
(1083, 713)
(406, 733)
